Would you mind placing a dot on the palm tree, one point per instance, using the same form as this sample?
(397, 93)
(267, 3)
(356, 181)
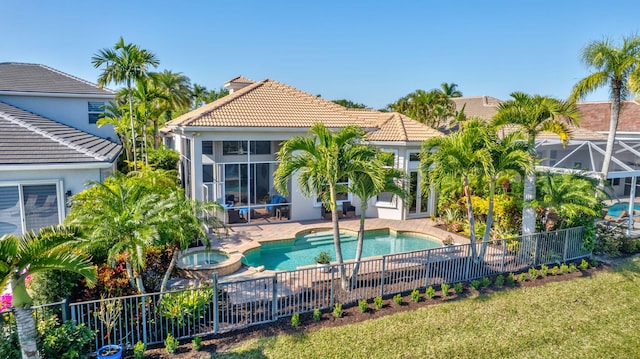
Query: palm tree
(533, 115)
(460, 155)
(123, 215)
(619, 67)
(508, 155)
(115, 115)
(566, 196)
(182, 225)
(366, 185)
(52, 248)
(450, 89)
(124, 63)
(176, 94)
(430, 108)
(198, 94)
(321, 160)
(147, 99)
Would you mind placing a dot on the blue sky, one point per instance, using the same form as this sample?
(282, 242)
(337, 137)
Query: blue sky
(372, 52)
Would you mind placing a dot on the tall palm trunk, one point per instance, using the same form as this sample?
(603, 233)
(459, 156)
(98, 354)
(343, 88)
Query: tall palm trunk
(487, 230)
(26, 332)
(133, 129)
(613, 127)
(172, 264)
(528, 211)
(356, 266)
(472, 221)
(336, 237)
(129, 269)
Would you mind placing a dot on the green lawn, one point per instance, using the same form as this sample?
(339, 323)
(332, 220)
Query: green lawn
(591, 317)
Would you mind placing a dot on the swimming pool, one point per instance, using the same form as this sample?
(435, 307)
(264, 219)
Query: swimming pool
(300, 251)
(616, 209)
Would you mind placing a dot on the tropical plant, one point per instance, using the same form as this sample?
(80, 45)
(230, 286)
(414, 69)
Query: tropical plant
(458, 156)
(366, 185)
(124, 63)
(533, 115)
(115, 115)
(124, 216)
(617, 67)
(51, 248)
(429, 107)
(175, 90)
(321, 161)
(450, 89)
(565, 197)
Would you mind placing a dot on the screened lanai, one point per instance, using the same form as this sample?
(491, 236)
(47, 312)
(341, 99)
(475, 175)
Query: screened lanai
(587, 156)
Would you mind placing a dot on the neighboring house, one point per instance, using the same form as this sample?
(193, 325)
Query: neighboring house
(50, 146)
(228, 150)
(596, 116)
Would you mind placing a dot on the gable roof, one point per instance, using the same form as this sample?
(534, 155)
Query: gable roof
(27, 138)
(270, 103)
(36, 78)
(597, 115)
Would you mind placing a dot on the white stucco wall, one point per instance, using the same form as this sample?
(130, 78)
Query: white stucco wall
(71, 111)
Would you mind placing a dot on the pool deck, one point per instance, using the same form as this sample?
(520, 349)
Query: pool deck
(241, 238)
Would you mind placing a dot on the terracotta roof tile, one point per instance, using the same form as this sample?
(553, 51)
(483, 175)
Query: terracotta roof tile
(597, 115)
(269, 103)
(483, 107)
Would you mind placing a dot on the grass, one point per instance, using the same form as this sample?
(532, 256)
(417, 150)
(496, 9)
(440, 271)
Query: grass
(591, 317)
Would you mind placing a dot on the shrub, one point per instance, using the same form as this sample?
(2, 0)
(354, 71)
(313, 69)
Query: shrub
(317, 315)
(181, 307)
(564, 269)
(499, 280)
(295, 320)
(171, 344)
(65, 341)
(163, 158)
(9, 345)
(522, 277)
(139, 348)
(584, 264)
(544, 270)
(457, 287)
(362, 305)
(197, 342)
(475, 284)
(378, 302)
(445, 289)
(572, 267)
(555, 270)
(337, 310)
(397, 298)
(594, 262)
(415, 295)
(430, 292)
(533, 273)
(511, 279)
(485, 282)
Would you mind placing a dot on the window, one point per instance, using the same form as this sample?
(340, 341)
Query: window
(342, 184)
(242, 147)
(38, 207)
(387, 198)
(207, 147)
(207, 173)
(96, 109)
(414, 156)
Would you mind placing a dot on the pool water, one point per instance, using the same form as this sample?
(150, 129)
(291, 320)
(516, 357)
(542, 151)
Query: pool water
(203, 258)
(300, 251)
(616, 209)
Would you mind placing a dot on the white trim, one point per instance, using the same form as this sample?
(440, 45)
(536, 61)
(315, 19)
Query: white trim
(57, 94)
(56, 166)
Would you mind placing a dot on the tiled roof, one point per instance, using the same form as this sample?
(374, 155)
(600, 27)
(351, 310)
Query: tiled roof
(597, 115)
(483, 107)
(578, 133)
(27, 138)
(22, 77)
(269, 103)
(398, 127)
(240, 79)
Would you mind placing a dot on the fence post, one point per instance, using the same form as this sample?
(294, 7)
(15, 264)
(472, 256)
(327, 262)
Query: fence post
(504, 255)
(144, 319)
(65, 309)
(216, 304)
(384, 264)
(274, 293)
(468, 260)
(535, 252)
(332, 285)
(566, 246)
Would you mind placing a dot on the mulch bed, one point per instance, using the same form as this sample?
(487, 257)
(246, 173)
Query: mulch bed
(226, 341)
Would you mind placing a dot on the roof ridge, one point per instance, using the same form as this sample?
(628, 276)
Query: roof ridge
(48, 135)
